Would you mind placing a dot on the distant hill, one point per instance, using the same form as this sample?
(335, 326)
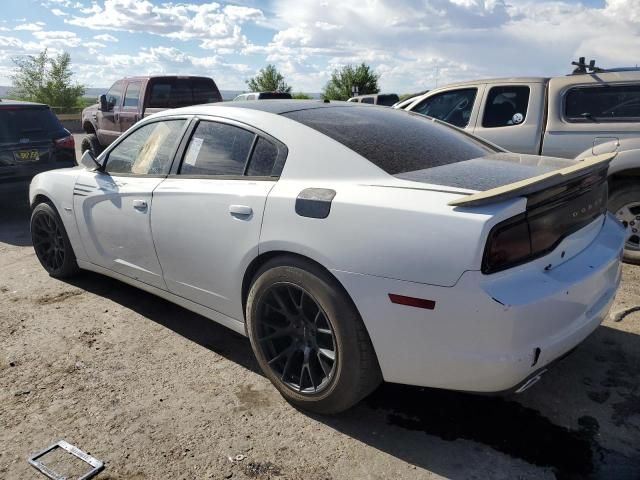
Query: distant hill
(93, 92)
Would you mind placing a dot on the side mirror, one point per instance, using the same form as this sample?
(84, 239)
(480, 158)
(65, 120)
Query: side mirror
(104, 105)
(89, 161)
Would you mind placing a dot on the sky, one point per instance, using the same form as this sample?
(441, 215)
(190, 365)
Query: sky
(413, 44)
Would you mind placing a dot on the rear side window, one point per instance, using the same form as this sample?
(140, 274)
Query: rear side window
(182, 92)
(394, 140)
(603, 103)
(367, 100)
(217, 149)
(506, 106)
(454, 106)
(28, 124)
(146, 151)
(263, 158)
(131, 98)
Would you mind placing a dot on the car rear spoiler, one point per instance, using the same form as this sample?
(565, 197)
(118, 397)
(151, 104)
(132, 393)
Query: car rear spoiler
(535, 184)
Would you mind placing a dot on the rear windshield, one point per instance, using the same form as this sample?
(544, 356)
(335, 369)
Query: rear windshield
(388, 99)
(182, 92)
(275, 96)
(24, 124)
(394, 140)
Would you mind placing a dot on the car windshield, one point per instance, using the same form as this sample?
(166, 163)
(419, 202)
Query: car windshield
(28, 124)
(394, 140)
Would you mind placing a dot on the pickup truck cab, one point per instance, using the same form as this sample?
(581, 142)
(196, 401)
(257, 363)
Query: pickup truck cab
(133, 98)
(574, 116)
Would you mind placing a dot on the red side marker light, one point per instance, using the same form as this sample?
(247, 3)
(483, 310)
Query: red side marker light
(412, 301)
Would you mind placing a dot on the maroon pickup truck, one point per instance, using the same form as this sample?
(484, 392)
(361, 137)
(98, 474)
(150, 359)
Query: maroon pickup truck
(133, 98)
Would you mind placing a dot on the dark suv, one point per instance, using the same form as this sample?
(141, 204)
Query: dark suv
(32, 140)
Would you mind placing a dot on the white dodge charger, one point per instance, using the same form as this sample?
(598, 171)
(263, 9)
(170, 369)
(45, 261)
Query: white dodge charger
(351, 243)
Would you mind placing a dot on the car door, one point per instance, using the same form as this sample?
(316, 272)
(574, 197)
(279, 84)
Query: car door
(113, 205)
(130, 112)
(108, 120)
(207, 215)
(457, 106)
(511, 116)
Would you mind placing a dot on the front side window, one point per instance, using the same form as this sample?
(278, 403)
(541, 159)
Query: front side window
(506, 105)
(217, 149)
(131, 98)
(453, 107)
(114, 95)
(146, 151)
(603, 103)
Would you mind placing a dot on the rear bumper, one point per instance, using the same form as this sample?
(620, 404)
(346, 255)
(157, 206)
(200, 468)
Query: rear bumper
(484, 333)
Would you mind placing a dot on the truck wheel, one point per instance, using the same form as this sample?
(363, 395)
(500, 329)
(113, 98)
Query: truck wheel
(91, 142)
(624, 203)
(309, 338)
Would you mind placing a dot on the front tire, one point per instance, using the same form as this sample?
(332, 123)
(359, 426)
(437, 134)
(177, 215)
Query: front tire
(51, 243)
(308, 337)
(624, 203)
(91, 142)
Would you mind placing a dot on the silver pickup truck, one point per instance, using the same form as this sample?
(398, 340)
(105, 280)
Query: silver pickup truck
(589, 112)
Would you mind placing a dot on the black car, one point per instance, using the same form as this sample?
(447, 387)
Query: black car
(32, 140)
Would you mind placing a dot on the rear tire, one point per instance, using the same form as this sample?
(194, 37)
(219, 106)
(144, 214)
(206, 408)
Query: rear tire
(91, 142)
(295, 338)
(51, 243)
(624, 203)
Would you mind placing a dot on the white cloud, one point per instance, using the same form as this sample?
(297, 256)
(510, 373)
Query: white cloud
(31, 27)
(216, 26)
(57, 39)
(105, 37)
(59, 13)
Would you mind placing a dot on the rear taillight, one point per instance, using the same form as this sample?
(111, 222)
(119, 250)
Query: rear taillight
(66, 142)
(538, 231)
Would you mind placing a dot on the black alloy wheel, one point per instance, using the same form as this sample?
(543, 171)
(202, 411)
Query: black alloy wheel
(296, 337)
(51, 243)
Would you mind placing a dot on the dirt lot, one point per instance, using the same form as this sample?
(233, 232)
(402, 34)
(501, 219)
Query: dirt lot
(158, 392)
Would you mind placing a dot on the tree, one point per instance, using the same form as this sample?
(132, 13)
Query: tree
(46, 79)
(344, 79)
(301, 96)
(268, 80)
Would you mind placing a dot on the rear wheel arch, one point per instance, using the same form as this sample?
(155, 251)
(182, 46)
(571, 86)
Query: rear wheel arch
(262, 259)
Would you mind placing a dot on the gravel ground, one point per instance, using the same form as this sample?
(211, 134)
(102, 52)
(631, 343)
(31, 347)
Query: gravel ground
(158, 392)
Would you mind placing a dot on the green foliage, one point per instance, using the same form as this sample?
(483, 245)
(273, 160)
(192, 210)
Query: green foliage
(342, 80)
(268, 80)
(301, 96)
(46, 79)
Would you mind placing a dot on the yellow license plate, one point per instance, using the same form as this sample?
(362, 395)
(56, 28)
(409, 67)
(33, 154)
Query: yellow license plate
(28, 155)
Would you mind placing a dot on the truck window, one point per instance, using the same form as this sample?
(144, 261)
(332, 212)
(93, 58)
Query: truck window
(367, 100)
(505, 106)
(132, 97)
(619, 103)
(114, 95)
(182, 92)
(453, 106)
